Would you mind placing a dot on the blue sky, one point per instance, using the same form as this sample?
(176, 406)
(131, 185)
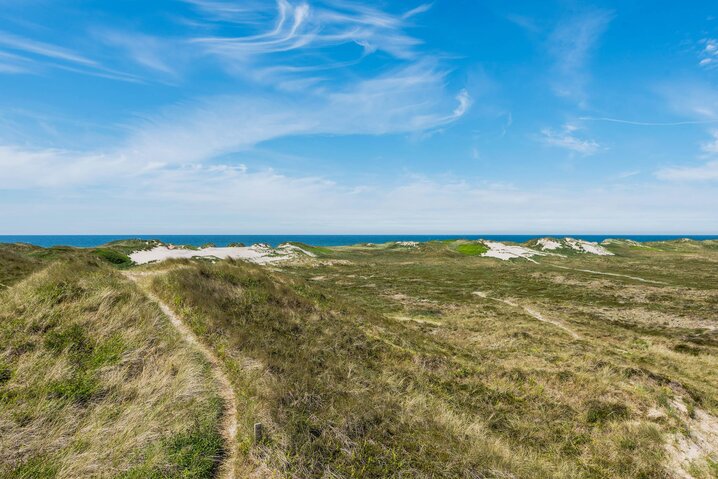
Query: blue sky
(336, 116)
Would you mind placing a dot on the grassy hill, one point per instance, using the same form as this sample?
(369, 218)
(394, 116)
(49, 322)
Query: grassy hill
(366, 361)
(94, 381)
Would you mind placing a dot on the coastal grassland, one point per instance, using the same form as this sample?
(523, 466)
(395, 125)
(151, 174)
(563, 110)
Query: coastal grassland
(316, 250)
(340, 392)
(605, 405)
(18, 260)
(366, 361)
(95, 382)
(392, 362)
(16, 263)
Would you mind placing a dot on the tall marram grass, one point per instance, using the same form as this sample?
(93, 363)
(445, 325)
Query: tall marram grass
(344, 391)
(94, 381)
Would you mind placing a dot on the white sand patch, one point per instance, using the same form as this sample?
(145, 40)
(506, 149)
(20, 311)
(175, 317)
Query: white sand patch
(259, 253)
(586, 247)
(582, 246)
(506, 252)
(548, 244)
(697, 446)
(408, 244)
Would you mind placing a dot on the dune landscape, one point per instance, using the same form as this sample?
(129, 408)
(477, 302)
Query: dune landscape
(454, 358)
(358, 239)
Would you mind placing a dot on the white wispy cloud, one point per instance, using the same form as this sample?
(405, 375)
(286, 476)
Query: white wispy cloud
(31, 168)
(148, 51)
(10, 63)
(406, 100)
(423, 8)
(691, 98)
(646, 123)
(35, 55)
(571, 44)
(17, 43)
(705, 172)
(219, 198)
(301, 29)
(567, 139)
(708, 171)
(709, 53)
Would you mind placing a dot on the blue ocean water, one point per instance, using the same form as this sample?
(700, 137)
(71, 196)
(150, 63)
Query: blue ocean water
(85, 241)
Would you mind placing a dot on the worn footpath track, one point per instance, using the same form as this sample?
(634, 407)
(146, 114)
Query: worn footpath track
(229, 424)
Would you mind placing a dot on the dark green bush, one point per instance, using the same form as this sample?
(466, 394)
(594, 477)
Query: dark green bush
(114, 257)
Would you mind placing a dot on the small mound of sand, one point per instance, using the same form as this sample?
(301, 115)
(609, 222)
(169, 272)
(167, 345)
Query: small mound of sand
(548, 244)
(506, 252)
(258, 253)
(578, 245)
(408, 244)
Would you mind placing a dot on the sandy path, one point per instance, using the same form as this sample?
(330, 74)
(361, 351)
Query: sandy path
(696, 444)
(610, 274)
(531, 312)
(229, 423)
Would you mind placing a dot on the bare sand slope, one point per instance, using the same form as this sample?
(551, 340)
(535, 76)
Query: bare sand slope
(260, 254)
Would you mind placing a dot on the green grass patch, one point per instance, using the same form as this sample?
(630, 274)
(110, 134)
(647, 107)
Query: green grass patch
(114, 257)
(192, 454)
(472, 249)
(317, 250)
(39, 467)
(79, 388)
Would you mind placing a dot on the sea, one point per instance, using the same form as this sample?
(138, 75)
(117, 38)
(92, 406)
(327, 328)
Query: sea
(87, 241)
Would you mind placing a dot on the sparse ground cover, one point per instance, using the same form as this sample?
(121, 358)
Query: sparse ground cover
(428, 361)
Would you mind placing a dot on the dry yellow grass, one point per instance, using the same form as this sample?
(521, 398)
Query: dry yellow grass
(98, 383)
(368, 362)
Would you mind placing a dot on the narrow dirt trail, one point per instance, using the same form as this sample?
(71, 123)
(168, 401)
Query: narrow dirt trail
(636, 278)
(531, 312)
(229, 423)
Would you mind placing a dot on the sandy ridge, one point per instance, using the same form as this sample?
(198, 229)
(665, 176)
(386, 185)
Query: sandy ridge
(229, 423)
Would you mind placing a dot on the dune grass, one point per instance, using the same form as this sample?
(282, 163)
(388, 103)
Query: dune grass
(388, 366)
(367, 361)
(16, 263)
(94, 381)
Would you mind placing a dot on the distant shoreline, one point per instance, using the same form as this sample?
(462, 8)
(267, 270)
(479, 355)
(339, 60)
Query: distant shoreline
(89, 241)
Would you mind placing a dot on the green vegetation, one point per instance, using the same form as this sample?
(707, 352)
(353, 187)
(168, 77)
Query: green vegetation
(127, 246)
(16, 262)
(114, 257)
(366, 361)
(471, 249)
(93, 378)
(317, 250)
